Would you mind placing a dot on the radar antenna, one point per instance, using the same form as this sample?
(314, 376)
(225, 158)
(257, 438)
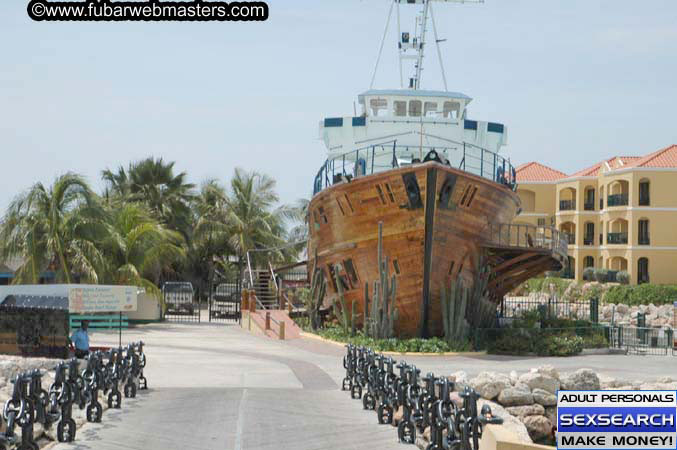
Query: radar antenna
(411, 46)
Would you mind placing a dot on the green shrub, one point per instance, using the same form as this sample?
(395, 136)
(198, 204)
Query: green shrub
(510, 342)
(432, 345)
(543, 285)
(597, 340)
(601, 275)
(589, 274)
(593, 291)
(623, 277)
(559, 345)
(642, 294)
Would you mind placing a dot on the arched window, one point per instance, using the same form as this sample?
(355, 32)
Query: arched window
(589, 261)
(643, 236)
(589, 204)
(642, 270)
(589, 236)
(644, 197)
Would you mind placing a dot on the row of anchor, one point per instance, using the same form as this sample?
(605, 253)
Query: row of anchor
(104, 372)
(424, 402)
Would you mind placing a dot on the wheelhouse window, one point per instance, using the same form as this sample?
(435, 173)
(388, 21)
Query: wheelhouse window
(643, 237)
(644, 198)
(415, 108)
(451, 110)
(430, 109)
(400, 108)
(379, 106)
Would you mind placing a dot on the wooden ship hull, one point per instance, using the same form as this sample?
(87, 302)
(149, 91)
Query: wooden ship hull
(438, 223)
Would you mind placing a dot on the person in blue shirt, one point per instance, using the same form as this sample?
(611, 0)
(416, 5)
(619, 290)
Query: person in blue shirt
(80, 340)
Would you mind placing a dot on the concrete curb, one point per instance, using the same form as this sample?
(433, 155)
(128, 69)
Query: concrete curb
(343, 344)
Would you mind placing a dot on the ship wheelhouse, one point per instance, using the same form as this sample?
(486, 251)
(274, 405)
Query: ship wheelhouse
(411, 118)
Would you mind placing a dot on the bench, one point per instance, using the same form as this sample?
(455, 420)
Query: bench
(104, 322)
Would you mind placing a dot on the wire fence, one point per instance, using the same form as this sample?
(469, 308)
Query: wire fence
(549, 308)
(643, 341)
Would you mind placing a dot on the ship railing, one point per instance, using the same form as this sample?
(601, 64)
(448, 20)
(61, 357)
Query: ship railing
(527, 236)
(389, 155)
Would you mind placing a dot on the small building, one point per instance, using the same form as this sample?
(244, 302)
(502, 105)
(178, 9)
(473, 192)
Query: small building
(618, 214)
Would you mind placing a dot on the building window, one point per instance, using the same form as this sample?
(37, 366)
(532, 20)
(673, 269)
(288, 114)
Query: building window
(589, 237)
(642, 270)
(644, 199)
(589, 204)
(589, 261)
(644, 232)
(541, 222)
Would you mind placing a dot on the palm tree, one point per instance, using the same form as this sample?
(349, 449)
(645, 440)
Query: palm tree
(55, 227)
(209, 239)
(153, 182)
(252, 220)
(139, 248)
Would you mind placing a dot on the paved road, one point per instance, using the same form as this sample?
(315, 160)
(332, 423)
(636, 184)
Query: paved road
(217, 387)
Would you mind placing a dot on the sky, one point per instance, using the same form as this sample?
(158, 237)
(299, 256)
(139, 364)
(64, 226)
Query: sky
(574, 81)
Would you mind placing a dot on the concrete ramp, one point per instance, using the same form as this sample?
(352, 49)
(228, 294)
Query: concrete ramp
(275, 324)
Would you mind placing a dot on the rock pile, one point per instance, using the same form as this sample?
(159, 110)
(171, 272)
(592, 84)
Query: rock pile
(623, 315)
(531, 397)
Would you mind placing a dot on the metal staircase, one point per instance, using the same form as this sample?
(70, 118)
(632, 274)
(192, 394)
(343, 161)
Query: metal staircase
(264, 284)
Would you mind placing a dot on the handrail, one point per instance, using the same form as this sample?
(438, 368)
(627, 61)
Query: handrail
(520, 235)
(273, 276)
(249, 268)
(389, 155)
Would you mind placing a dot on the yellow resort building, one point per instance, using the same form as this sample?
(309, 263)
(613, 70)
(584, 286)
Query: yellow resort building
(620, 214)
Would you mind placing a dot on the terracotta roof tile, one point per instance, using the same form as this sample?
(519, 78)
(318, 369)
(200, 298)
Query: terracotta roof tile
(534, 171)
(666, 157)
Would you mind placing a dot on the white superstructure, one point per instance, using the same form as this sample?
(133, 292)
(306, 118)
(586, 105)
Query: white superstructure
(413, 119)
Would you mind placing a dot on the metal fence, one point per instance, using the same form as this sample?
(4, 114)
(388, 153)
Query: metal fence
(224, 303)
(550, 308)
(180, 302)
(519, 235)
(643, 341)
(389, 155)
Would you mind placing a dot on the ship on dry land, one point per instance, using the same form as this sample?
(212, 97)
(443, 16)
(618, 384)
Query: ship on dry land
(414, 161)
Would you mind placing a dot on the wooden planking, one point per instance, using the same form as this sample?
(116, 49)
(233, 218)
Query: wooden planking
(354, 209)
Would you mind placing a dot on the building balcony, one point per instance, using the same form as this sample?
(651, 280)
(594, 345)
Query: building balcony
(567, 205)
(617, 200)
(570, 238)
(617, 238)
(588, 240)
(589, 206)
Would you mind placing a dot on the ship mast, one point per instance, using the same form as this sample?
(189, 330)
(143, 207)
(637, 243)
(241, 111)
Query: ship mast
(411, 46)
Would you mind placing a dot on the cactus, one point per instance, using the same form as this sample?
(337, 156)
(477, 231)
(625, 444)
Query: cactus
(313, 301)
(454, 306)
(381, 323)
(347, 321)
(464, 308)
